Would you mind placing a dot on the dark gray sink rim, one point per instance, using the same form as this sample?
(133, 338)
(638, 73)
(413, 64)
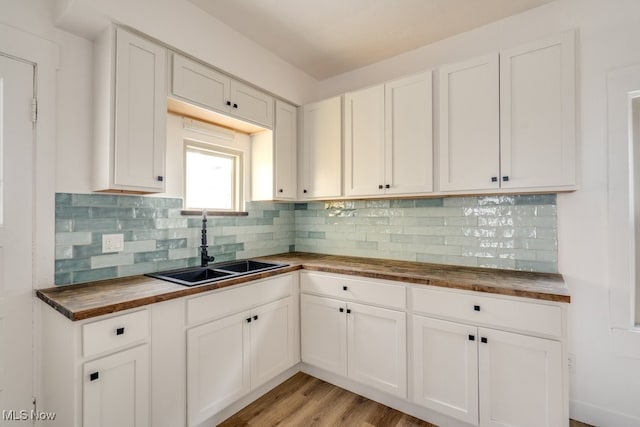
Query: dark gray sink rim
(193, 276)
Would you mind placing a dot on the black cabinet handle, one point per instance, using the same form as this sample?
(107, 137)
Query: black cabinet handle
(160, 178)
(281, 190)
(94, 376)
(344, 287)
(228, 102)
(348, 310)
(341, 310)
(484, 340)
(472, 337)
(505, 178)
(494, 179)
(255, 317)
(304, 191)
(235, 105)
(476, 308)
(387, 186)
(248, 319)
(380, 187)
(120, 331)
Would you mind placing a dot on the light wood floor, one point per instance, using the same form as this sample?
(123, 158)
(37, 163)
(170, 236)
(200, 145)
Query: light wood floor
(305, 401)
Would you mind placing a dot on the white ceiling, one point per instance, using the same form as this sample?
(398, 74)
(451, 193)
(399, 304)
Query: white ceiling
(325, 38)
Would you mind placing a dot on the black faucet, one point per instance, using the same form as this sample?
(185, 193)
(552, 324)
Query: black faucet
(205, 259)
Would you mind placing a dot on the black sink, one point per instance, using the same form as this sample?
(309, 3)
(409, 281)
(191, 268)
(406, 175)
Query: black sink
(247, 266)
(194, 276)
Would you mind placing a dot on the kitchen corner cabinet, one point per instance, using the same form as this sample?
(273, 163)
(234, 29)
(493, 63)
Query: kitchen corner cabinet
(507, 121)
(364, 342)
(273, 157)
(320, 149)
(130, 113)
(203, 86)
(467, 367)
(388, 138)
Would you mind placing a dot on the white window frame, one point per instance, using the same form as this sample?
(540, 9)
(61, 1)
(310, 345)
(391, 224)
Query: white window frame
(623, 87)
(224, 141)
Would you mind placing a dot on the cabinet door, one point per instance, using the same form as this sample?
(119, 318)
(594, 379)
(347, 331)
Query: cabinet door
(272, 341)
(321, 146)
(218, 366)
(469, 146)
(200, 84)
(520, 380)
(364, 142)
(250, 104)
(323, 331)
(537, 114)
(377, 348)
(140, 114)
(285, 138)
(445, 367)
(409, 135)
(116, 390)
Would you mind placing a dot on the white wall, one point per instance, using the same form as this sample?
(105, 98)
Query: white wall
(605, 390)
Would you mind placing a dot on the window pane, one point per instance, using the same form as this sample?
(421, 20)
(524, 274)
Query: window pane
(210, 179)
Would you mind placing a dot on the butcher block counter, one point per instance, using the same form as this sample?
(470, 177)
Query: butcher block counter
(87, 300)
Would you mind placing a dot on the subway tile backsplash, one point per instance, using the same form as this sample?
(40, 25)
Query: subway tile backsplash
(157, 237)
(511, 232)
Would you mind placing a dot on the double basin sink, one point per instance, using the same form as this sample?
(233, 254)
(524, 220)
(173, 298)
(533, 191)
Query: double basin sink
(194, 276)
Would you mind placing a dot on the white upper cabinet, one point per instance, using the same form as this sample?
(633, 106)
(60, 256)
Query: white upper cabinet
(507, 121)
(469, 125)
(203, 86)
(320, 158)
(130, 111)
(273, 157)
(285, 140)
(409, 135)
(537, 114)
(388, 138)
(364, 142)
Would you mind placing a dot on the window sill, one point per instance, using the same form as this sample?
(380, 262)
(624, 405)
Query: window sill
(198, 212)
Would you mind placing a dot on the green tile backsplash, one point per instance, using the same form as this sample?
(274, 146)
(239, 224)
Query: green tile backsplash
(511, 232)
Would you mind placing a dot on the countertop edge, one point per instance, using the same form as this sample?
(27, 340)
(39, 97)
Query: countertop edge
(294, 265)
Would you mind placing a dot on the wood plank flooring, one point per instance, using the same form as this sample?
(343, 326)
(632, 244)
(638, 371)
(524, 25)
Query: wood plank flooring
(305, 401)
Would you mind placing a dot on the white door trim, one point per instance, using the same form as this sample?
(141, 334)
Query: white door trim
(46, 57)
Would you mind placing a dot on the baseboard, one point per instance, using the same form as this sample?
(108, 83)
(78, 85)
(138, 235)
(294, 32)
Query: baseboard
(383, 398)
(600, 417)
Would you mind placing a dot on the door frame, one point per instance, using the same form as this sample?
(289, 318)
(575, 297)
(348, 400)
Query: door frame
(45, 55)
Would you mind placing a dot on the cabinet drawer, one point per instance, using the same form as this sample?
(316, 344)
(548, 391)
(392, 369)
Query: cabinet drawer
(371, 291)
(233, 300)
(114, 333)
(541, 319)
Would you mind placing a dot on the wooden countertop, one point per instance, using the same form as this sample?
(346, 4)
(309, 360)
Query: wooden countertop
(93, 299)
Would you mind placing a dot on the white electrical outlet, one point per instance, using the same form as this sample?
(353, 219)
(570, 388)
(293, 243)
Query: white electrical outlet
(112, 243)
(572, 363)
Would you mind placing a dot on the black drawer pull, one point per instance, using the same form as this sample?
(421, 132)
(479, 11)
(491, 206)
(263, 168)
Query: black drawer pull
(505, 178)
(341, 310)
(348, 310)
(255, 317)
(248, 319)
(228, 102)
(235, 105)
(484, 340)
(120, 331)
(472, 337)
(94, 376)
(344, 287)
(494, 179)
(387, 186)
(476, 308)
(380, 187)
(160, 178)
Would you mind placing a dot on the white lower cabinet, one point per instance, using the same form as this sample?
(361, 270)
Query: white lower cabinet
(363, 342)
(228, 358)
(486, 376)
(116, 389)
